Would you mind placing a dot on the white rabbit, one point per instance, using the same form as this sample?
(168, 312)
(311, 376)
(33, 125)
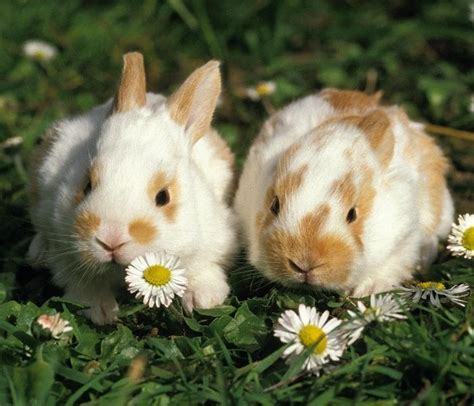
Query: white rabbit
(339, 192)
(138, 174)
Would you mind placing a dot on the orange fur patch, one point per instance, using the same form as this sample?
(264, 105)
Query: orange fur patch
(376, 126)
(346, 190)
(159, 182)
(182, 104)
(142, 230)
(86, 224)
(132, 90)
(349, 100)
(361, 198)
(365, 202)
(284, 188)
(309, 246)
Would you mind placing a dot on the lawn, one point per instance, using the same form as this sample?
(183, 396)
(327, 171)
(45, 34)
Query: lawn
(419, 53)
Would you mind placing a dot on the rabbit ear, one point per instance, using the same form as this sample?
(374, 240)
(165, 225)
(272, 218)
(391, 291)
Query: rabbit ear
(376, 127)
(193, 104)
(132, 90)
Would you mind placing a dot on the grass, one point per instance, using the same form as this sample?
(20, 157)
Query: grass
(418, 53)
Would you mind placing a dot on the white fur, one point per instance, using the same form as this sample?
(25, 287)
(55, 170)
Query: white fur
(394, 240)
(130, 148)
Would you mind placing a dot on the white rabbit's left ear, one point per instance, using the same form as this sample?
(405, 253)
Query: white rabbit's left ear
(193, 104)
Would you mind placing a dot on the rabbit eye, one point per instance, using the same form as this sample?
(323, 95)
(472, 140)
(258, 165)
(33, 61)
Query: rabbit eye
(162, 198)
(88, 187)
(275, 207)
(351, 215)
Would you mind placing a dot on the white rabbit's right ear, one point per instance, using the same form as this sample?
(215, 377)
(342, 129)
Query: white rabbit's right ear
(132, 89)
(193, 104)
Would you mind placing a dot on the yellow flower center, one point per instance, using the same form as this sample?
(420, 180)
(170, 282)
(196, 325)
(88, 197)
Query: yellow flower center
(310, 335)
(371, 311)
(40, 55)
(431, 285)
(263, 89)
(468, 239)
(157, 275)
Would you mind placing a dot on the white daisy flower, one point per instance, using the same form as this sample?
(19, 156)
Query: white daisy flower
(262, 89)
(308, 329)
(39, 50)
(436, 291)
(382, 308)
(54, 324)
(461, 238)
(156, 277)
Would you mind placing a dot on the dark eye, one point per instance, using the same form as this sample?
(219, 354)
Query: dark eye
(162, 198)
(88, 187)
(351, 215)
(275, 207)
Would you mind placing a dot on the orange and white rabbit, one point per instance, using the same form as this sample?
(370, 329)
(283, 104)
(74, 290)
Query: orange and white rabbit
(342, 193)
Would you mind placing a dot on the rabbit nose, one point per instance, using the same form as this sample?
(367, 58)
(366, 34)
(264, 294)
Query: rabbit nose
(110, 244)
(299, 267)
(111, 237)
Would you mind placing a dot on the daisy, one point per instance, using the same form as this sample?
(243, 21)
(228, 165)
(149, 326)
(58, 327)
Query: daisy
(462, 237)
(382, 308)
(54, 324)
(262, 89)
(436, 291)
(309, 329)
(156, 277)
(39, 50)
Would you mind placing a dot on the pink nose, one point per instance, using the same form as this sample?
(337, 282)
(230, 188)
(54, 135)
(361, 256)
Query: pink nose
(109, 245)
(111, 238)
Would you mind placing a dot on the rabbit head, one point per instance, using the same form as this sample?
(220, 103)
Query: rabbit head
(311, 227)
(135, 193)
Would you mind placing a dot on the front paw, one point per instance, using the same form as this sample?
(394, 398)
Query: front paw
(372, 287)
(205, 295)
(102, 313)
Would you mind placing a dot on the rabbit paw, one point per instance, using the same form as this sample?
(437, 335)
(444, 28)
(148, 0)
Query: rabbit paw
(205, 293)
(102, 313)
(372, 287)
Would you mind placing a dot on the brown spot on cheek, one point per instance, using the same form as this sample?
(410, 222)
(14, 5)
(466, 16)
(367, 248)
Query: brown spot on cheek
(309, 246)
(86, 224)
(338, 254)
(158, 182)
(142, 230)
